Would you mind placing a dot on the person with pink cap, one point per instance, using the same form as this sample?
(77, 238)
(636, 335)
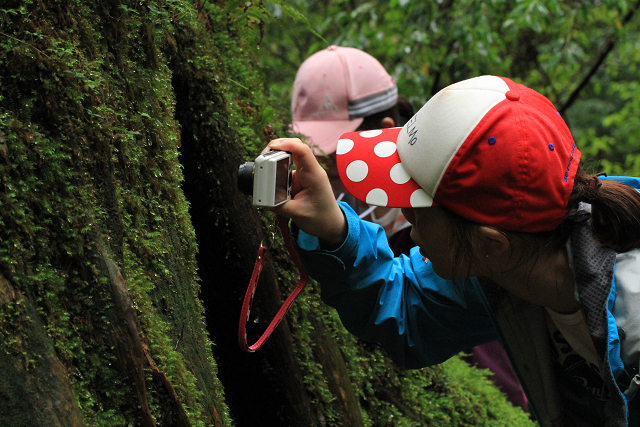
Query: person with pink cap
(515, 241)
(338, 90)
(334, 90)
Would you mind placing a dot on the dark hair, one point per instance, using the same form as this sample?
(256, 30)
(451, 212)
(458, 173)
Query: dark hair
(400, 113)
(615, 220)
(373, 121)
(405, 110)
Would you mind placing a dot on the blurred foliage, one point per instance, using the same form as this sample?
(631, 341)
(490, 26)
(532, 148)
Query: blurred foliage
(548, 45)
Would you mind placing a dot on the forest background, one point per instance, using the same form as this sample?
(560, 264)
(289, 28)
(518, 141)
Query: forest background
(125, 247)
(582, 55)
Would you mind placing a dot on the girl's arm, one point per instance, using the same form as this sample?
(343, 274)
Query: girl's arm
(419, 318)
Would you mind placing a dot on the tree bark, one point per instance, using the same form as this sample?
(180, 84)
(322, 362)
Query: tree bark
(31, 376)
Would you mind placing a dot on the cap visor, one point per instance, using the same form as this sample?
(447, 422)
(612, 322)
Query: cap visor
(323, 135)
(372, 171)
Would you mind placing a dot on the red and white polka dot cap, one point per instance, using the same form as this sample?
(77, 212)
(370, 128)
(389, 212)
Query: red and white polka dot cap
(492, 151)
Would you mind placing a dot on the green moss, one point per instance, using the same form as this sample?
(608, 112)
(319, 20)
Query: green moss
(91, 167)
(452, 394)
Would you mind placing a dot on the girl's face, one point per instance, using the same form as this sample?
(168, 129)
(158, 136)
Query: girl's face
(544, 278)
(432, 231)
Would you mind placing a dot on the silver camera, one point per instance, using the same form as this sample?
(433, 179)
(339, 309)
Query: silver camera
(267, 179)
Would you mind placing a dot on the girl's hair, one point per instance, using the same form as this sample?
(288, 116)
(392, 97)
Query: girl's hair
(373, 121)
(615, 210)
(615, 220)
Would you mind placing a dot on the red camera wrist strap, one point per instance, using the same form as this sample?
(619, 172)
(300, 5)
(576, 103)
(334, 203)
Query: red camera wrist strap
(253, 283)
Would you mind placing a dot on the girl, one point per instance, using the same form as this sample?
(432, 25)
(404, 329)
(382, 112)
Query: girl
(515, 241)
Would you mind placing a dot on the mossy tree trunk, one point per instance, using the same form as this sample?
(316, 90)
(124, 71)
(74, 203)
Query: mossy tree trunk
(102, 321)
(100, 316)
(125, 247)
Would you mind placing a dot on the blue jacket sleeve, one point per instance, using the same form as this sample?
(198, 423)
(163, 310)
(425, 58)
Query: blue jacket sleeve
(418, 317)
(629, 180)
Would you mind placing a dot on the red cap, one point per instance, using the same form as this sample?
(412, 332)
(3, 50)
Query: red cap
(492, 151)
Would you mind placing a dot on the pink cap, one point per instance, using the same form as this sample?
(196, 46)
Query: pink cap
(333, 90)
(492, 151)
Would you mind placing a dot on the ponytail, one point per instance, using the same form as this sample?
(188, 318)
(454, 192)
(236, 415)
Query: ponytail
(615, 210)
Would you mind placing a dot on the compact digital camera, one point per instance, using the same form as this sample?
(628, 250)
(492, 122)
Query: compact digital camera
(267, 179)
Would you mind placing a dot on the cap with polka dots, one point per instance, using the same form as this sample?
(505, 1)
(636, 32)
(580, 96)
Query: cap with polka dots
(492, 151)
(386, 183)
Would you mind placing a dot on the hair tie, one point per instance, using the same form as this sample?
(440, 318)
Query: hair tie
(594, 182)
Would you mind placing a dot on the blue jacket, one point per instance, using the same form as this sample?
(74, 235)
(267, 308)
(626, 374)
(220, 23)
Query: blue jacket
(421, 319)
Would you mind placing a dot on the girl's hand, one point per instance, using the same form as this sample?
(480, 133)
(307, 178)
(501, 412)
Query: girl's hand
(313, 206)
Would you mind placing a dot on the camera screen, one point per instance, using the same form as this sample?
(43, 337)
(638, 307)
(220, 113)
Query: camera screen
(282, 180)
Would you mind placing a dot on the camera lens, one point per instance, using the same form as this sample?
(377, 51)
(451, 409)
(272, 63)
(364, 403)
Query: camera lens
(245, 178)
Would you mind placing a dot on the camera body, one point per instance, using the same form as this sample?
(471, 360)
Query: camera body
(267, 179)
